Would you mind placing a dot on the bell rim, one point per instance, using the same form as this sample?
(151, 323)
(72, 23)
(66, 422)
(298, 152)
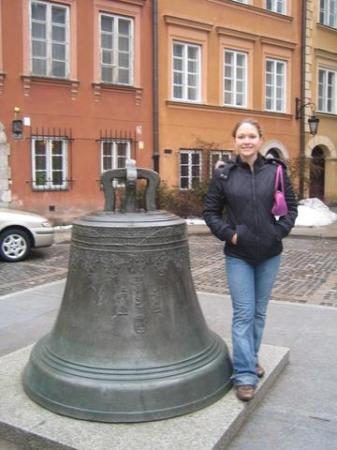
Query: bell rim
(51, 361)
(142, 401)
(125, 416)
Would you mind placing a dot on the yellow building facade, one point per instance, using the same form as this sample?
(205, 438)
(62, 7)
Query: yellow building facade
(321, 94)
(221, 61)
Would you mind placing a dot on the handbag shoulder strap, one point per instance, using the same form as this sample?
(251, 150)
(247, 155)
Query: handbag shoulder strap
(279, 178)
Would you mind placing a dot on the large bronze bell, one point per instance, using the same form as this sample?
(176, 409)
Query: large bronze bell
(130, 342)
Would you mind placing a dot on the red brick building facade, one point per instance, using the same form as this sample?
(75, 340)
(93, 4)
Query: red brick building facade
(78, 73)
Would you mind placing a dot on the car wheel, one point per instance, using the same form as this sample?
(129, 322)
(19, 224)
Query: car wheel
(14, 245)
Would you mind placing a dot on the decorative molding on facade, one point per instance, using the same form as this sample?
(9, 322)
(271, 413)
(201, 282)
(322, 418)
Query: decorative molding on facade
(188, 23)
(74, 89)
(322, 53)
(2, 81)
(254, 9)
(277, 42)
(29, 80)
(322, 141)
(326, 28)
(138, 96)
(26, 83)
(219, 108)
(135, 2)
(231, 32)
(102, 3)
(308, 61)
(97, 91)
(98, 88)
(326, 115)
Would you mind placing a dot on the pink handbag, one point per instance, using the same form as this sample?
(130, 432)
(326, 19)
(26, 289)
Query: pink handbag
(280, 207)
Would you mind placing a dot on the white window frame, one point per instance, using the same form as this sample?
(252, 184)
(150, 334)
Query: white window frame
(48, 184)
(323, 87)
(241, 1)
(277, 6)
(115, 51)
(234, 93)
(328, 13)
(275, 98)
(184, 72)
(49, 41)
(190, 177)
(113, 152)
(222, 155)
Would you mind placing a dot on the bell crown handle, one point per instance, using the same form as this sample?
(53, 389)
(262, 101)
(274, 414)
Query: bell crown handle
(130, 175)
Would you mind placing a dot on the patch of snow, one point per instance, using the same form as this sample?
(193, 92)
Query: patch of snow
(312, 212)
(63, 227)
(195, 221)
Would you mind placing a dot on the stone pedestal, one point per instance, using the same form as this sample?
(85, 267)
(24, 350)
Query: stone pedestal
(24, 423)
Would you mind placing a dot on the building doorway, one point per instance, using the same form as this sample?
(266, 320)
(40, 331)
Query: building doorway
(274, 153)
(317, 173)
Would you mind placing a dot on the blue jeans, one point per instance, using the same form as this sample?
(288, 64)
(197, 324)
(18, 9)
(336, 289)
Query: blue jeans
(250, 288)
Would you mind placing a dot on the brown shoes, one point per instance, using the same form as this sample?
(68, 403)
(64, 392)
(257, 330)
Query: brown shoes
(245, 392)
(259, 370)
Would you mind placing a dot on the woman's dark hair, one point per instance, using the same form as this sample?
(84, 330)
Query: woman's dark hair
(252, 122)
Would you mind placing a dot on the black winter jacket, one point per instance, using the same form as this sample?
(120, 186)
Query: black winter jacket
(247, 197)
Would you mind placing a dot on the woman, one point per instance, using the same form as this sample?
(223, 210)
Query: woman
(244, 187)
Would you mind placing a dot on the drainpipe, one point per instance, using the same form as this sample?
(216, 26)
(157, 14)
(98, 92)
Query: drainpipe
(303, 116)
(155, 118)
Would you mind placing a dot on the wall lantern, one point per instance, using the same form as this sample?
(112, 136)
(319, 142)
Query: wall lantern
(17, 129)
(313, 120)
(17, 125)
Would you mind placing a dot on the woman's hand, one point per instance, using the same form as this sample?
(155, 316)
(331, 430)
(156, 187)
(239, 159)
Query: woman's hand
(234, 239)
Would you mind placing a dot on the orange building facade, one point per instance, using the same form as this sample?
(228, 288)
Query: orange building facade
(320, 96)
(78, 74)
(219, 62)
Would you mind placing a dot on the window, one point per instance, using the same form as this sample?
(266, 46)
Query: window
(186, 72)
(275, 93)
(215, 156)
(327, 91)
(49, 163)
(116, 37)
(278, 6)
(114, 154)
(49, 39)
(235, 79)
(190, 168)
(328, 13)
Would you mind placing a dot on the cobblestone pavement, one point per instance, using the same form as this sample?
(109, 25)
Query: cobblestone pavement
(308, 272)
(44, 266)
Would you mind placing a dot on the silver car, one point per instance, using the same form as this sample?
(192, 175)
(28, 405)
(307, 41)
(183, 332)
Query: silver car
(20, 232)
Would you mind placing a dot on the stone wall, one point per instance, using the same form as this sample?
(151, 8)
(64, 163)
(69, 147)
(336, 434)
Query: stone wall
(5, 174)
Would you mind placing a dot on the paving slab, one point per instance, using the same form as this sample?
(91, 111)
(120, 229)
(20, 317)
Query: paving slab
(26, 424)
(299, 412)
